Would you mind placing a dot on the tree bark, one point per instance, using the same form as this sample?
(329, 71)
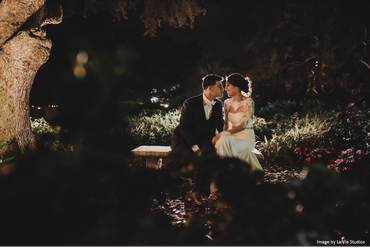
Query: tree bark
(24, 48)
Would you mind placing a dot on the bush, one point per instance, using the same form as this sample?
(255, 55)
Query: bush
(154, 127)
(40, 126)
(351, 127)
(305, 133)
(47, 136)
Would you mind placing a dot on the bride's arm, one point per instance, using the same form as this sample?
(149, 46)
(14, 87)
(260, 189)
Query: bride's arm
(226, 110)
(226, 123)
(248, 115)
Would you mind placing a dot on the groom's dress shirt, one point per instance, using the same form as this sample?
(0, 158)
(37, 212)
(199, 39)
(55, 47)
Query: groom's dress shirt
(208, 105)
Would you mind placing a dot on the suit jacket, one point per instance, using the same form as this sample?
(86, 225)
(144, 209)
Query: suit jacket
(194, 129)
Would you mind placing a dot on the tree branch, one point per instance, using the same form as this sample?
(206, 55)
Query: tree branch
(297, 63)
(14, 13)
(367, 65)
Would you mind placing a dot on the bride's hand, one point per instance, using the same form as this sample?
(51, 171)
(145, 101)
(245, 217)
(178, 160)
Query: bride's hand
(215, 139)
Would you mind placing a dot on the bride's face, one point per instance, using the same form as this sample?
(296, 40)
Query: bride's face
(232, 90)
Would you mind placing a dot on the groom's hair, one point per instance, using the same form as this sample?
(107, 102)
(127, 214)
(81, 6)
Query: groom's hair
(210, 80)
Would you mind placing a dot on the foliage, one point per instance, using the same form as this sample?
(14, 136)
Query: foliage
(261, 127)
(154, 127)
(53, 199)
(50, 198)
(3, 144)
(323, 126)
(296, 48)
(179, 14)
(305, 133)
(41, 126)
(4, 161)
(346, 159)
(47, 136)
(351, 127)
(321, 154)
(283, 133)
(339, 160)
(280, 110)
(157, 126)
(299, 212)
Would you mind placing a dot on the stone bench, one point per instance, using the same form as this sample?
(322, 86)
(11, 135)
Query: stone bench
(154, 154)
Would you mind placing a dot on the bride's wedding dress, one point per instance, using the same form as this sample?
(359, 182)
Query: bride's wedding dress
(239, 144)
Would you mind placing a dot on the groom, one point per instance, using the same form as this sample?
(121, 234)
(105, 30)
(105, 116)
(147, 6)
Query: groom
(200, 116)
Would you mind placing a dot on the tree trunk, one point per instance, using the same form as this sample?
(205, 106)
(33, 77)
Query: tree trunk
(24, 48)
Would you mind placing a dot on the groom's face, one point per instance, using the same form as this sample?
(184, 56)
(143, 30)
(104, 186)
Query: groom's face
(217, 89)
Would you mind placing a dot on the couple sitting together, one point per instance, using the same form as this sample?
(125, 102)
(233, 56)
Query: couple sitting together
(201, 115)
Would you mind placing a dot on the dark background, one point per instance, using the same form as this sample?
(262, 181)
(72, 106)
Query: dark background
(266, 40)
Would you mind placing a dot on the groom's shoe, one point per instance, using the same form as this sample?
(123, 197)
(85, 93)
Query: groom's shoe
(195, 197)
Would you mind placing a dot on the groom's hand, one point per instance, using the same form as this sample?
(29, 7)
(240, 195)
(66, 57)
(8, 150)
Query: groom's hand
(196, 150)
(198, 153)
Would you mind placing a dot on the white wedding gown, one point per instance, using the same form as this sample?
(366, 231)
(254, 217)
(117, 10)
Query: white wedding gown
(241, 144)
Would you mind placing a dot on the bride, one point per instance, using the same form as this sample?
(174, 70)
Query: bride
(237, 139)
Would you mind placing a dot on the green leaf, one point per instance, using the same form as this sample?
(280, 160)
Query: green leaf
(3, 143)
(6, 160)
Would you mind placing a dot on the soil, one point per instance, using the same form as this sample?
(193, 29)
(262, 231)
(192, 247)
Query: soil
(277, 170)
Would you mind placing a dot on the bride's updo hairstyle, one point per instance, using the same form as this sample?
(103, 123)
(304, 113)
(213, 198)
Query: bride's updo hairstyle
(244, 84)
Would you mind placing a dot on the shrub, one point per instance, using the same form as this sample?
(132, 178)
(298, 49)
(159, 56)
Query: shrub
(347, 159)
(41, 126)
(154, 127)
(261, 128)
(351, 127)
(4, 161)
(47, 136)
(306, 133)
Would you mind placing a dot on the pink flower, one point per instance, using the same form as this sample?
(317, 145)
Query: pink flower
(351, 104)
(319, 155)
(308, 159)
(359, 152)
(297, 149)
(338, 161)
(346, 168)
(305, 151)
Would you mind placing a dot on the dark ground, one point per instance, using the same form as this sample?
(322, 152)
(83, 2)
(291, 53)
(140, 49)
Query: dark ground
(180, 209)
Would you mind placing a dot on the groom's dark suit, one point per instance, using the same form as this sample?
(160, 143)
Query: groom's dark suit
(194, 128)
